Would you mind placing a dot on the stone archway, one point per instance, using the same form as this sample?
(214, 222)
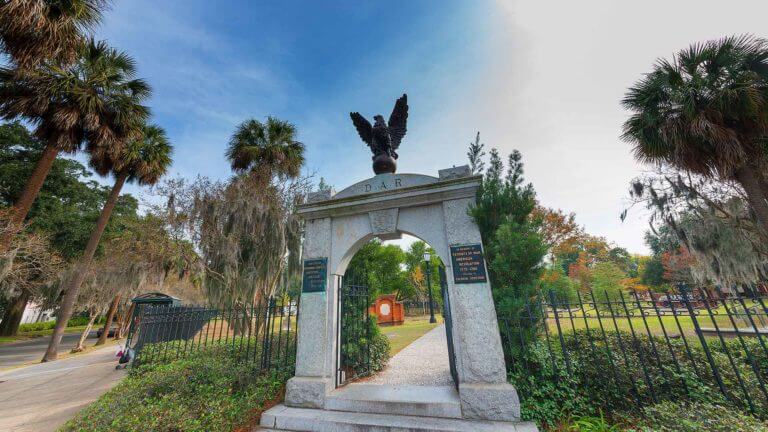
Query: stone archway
(434, 209)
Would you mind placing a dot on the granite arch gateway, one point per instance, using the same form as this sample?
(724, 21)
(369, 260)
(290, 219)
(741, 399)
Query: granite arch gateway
(434, 209)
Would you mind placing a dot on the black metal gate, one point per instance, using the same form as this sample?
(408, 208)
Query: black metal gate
(448, 326)
(353, 350)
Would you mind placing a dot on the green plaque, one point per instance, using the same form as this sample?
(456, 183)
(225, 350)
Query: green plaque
(315, 275)
(468, 264)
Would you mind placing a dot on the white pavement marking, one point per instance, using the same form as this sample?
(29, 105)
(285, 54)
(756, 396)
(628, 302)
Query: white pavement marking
(423, 362)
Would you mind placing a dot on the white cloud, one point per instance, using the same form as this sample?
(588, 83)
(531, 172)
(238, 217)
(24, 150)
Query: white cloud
(542, 77)
(551, 87)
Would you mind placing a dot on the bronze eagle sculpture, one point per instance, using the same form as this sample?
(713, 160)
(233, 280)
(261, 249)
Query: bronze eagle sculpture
(384, 138)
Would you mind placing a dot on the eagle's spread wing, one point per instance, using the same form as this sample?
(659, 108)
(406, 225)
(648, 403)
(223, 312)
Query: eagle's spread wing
(363, 127)
(398, 120)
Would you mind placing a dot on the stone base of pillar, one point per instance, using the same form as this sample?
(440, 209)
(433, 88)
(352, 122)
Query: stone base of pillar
(489, 402)
(307, 392)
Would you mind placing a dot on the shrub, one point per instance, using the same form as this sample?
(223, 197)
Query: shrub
(80, 321)
(618, 377)
(49, 325)
(38, 326)
(592, 424)
(696, 417)
(210, 390)
(356, 360)
(379, 347)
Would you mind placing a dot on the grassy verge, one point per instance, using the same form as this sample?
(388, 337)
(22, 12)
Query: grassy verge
(211, 390)
(403, 335)
(36, 334)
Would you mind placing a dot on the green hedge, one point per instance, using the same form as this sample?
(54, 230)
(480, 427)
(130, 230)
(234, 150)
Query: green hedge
(38, 326)
(210, 390)
(551, 393)
(49, 325)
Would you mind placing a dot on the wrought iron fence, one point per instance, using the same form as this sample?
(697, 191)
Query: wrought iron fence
(262, 333)
(354, 331)
(641, 348)
(420, 307)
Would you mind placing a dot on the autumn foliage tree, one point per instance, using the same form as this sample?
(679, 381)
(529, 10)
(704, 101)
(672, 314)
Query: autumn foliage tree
(558, 229)
(677, 265)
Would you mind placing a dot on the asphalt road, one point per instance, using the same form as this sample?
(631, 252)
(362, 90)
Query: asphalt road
(32, 350)
(43, 396)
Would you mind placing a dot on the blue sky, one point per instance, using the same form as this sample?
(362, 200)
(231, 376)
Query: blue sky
(214, 64)
(542, 77)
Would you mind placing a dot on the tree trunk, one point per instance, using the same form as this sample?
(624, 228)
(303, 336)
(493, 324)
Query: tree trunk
(120, 319)
(110, 316)
(126, 322)
(81, 343)
(13, 315)
(21, 207)
(76, 280)
(751, 180)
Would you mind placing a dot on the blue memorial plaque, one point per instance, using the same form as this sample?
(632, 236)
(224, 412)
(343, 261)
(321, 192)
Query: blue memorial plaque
(468, 264)
(315, 275)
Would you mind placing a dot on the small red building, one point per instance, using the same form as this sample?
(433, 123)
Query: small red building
(388, 311)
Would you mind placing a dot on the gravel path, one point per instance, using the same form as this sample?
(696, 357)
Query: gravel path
(423, 362)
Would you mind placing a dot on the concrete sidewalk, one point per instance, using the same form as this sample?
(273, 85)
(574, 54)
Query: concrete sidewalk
(42, 397)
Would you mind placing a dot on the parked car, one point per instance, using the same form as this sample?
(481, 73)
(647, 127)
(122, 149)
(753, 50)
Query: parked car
(112, 330)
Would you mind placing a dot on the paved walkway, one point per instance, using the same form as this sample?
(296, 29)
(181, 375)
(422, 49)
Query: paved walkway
(32, 350)
(42, 397)
(424, 362)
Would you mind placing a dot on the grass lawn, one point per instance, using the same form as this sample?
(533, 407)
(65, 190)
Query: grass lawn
(39, 333)
(656, 324)
(413, 328)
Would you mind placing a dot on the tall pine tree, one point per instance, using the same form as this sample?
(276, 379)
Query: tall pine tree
(514, 248)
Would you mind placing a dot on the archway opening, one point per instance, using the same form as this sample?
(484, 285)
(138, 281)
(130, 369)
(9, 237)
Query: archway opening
(400, 338)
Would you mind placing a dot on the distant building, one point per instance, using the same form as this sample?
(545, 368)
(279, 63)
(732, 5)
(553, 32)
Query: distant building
(35, 313)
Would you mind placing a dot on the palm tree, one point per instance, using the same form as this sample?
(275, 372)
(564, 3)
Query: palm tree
(143, 161)
(97, 101)
(266, 149)
(706, 112)
(34, 31)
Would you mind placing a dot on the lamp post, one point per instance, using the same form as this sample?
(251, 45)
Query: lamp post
(427, 261)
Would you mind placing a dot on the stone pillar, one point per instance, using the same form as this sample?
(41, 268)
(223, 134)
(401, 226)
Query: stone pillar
(483, 387)
(312, 380)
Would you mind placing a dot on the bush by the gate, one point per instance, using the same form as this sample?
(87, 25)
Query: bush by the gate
(553, 388)
(356, 349)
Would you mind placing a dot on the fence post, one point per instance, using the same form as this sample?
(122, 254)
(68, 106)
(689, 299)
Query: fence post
(553, 303)
(705, 296)
(650, 339)
(682, 335)
(752, 322)
(702, 340)
(669, 344)
(750, 357)
(543, 308)
(624, 351)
